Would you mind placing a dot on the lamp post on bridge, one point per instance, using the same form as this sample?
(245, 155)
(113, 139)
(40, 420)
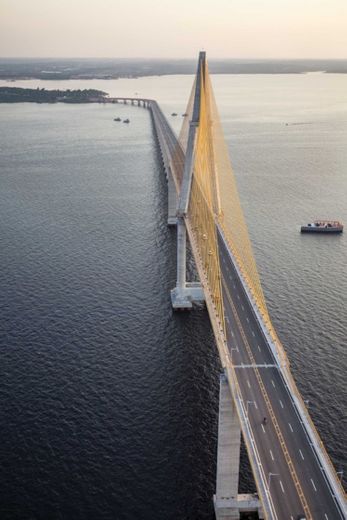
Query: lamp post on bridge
(247, 404)
(231, 352)
(340, 473)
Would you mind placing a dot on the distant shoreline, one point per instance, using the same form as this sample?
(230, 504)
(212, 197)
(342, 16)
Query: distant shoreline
(106, 78)
(103, 69)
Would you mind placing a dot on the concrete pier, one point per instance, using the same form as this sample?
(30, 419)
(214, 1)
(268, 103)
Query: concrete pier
(228, 503)
(228, 456)
(171, 201)
(184, 294)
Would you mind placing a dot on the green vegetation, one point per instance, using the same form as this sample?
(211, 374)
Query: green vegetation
(41, 95)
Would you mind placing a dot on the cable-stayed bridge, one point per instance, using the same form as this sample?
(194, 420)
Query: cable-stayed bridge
(258, 396)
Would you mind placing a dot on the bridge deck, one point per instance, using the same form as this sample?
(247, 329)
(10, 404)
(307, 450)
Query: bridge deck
(284, 446)
(247, 345)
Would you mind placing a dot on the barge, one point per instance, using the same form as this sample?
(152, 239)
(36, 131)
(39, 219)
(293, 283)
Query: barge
(323, 226)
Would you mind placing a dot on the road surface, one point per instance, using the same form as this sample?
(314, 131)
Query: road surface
(248, 346)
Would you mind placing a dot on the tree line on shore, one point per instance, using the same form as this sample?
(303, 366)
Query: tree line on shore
(41, 95)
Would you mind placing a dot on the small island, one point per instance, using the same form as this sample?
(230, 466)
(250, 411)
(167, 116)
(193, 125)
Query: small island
(41, 95)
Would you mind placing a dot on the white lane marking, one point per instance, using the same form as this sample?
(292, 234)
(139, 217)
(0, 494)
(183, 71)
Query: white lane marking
(314, 487)
(291, 517)
(273, 384)
(255, 405)
(281, 403)
(281, 486)
(226, 317)
(326, 516)
(238, 297)
(242, 307)
(259, 348)
(301, 455)
(290, 426)
(263, 428)
(253, 334)
(249, 384)
(232, 334)
(297, 414)
(272, 455)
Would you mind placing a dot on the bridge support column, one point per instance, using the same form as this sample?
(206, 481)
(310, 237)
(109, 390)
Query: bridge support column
(184, 294)
(181, 254)
(228, 456)
(171, 201)
(228, 503)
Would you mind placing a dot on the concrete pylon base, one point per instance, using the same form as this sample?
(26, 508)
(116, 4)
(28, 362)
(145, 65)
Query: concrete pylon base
(226, 509)
(183, 299)
(230, 508)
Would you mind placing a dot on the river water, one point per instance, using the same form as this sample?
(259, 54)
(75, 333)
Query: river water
(109, 401)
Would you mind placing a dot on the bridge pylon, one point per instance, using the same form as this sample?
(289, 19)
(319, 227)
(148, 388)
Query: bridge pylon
(185, 294)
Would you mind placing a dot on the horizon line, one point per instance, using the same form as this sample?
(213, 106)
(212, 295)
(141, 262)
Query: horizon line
(154, 58)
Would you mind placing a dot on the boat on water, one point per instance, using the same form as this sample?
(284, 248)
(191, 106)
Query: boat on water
(117, 119)
(126, 121)
(323, 226)
(174, 114)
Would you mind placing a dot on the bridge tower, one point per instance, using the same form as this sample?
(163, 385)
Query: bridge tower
(228, 503)
(186, 293)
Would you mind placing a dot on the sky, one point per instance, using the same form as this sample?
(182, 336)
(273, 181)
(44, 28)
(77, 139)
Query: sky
(174, 28)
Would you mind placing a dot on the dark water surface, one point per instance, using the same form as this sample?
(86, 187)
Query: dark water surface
(108, 400)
